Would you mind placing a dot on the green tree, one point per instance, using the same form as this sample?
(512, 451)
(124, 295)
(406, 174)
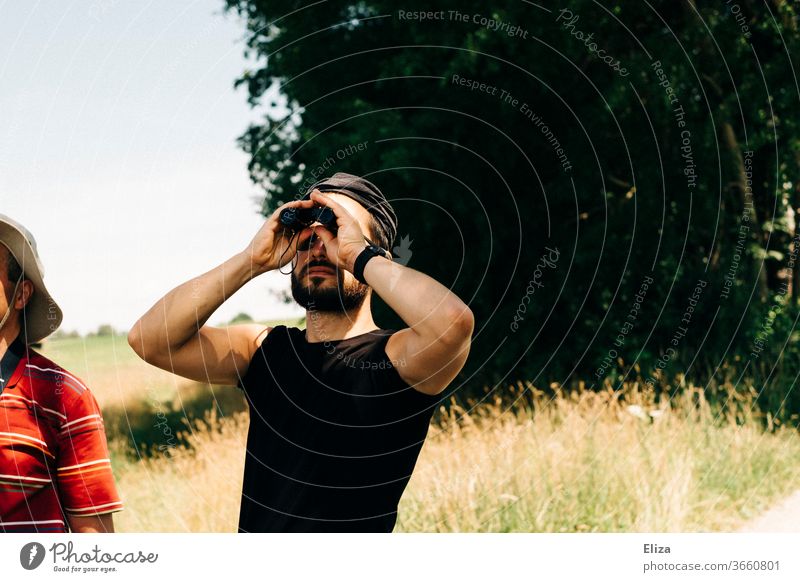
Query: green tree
(618, 133)
(105, 330)
(241, 318)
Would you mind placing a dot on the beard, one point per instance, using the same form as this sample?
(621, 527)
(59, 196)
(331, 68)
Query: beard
(345, 296)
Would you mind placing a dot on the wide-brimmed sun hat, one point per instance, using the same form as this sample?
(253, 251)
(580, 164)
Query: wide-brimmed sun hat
(42, 315)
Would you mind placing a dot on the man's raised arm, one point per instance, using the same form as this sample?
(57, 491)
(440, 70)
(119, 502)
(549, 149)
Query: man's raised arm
(436, 344)
(173, 336)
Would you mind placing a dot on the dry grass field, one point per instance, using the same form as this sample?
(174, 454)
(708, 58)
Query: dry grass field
(528, 461)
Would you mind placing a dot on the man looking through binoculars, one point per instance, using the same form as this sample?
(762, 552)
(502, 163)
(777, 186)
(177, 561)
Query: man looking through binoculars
(332, 442)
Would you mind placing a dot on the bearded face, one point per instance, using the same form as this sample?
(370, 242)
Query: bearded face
(317, 286)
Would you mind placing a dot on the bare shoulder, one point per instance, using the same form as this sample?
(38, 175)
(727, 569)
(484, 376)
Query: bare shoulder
(397, 342)
(262, 335)
(250, 334)
(429, 363)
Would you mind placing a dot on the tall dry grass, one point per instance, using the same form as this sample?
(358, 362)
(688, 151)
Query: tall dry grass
(530, 462)
(194, 487)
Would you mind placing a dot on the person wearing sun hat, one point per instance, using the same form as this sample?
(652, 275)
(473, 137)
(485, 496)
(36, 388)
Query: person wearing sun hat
(41, 315)
(55, 472)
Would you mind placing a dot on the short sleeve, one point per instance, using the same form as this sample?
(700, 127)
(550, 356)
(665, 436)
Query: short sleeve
(85, 481)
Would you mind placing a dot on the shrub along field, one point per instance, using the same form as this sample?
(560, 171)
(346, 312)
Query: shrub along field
(530, 460)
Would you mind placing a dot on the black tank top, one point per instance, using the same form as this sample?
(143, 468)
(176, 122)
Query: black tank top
(334, 434)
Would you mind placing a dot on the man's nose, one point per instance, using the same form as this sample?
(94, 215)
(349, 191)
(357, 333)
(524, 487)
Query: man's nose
(316, 245)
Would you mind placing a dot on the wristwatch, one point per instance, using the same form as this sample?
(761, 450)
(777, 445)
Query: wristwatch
(372, 250)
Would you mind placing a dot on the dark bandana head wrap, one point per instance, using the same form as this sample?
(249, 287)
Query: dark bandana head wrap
(365, 193)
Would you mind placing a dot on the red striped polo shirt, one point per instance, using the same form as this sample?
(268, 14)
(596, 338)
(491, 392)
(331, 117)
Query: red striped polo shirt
(54, 457)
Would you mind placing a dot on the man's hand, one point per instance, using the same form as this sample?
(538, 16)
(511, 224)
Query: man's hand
(344, 248)
(270, 249)
(436, 344)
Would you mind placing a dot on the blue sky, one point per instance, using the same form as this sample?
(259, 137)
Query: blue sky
(118, 123)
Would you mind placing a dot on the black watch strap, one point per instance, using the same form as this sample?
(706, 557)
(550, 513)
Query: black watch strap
(361, 260)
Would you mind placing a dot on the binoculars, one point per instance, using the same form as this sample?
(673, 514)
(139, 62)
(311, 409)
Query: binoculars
(299, 218)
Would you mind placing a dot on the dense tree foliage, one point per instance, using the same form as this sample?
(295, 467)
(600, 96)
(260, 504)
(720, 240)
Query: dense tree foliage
(612, 187)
